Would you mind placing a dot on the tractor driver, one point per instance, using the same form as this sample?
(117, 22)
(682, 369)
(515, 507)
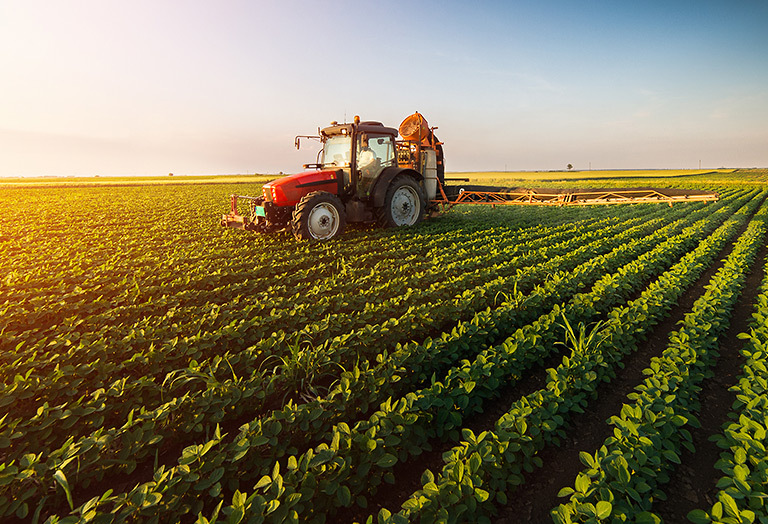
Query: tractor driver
(368, 165)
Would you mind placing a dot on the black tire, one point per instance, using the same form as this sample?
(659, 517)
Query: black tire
(403, 196)
(319, 216)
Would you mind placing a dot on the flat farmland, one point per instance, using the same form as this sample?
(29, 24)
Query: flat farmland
(534, 176)
(603, 364)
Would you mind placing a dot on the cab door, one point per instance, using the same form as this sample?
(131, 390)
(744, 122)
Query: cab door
(373, 154)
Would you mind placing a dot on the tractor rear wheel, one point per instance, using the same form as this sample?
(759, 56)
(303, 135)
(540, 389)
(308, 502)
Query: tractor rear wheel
(404, 203)
(318, 216)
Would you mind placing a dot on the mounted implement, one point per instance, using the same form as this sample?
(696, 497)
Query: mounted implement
(364, 174)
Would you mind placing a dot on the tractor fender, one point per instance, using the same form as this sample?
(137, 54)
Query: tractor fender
(379, 192)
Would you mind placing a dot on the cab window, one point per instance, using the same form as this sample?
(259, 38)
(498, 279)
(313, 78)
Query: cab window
(383, 147)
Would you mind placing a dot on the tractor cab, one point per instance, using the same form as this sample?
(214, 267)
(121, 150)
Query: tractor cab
(361, 151)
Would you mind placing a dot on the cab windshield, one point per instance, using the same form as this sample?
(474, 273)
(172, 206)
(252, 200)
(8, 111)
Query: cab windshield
(337, 151)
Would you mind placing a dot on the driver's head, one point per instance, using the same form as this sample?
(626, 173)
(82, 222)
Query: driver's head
(363, 140)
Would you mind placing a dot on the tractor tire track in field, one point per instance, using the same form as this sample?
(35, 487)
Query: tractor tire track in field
(534, 499)
(693, 483)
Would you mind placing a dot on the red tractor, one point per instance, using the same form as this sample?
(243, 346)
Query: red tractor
(363, 174)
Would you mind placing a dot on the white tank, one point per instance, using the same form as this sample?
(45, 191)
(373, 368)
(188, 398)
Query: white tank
(429, 172)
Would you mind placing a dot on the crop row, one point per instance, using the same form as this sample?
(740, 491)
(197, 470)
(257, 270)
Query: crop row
(154, 295)
(71, 381)
(253, 287)
(264, 311)
(311, 470)
(130, 283)
(144, 439)
(413, 363)
(627, 473)
(261, 442)
(743, 463)
(89, 412)
(483, 469)
(255, 325)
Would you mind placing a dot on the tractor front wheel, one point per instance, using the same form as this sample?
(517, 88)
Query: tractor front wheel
(404, 204)
(318, 216)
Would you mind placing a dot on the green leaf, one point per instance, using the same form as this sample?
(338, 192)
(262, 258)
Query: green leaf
(582, 483)
(427, 476)
(646, 517)
(272, 505)
(266, 480)
(679, 420)
(624, 475)
(236, 516)
(431, 489)
(384, 515)
(604, 509)
(27, 460)
(699, 516)
(259, 441)
(671, 456)
(387, 461)
(587, 459)
(22, 511)
(561, 515)
(61, 478)
(729, 504)
(412, 504)
(345, 496)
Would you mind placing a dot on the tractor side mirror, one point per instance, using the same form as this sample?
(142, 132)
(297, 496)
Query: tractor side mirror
(297, 140)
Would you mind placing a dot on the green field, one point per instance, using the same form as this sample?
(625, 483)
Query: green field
(516, 177)
(94, 181)
(159, 368)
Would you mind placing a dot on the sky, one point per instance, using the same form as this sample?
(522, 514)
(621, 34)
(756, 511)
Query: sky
(145, 87)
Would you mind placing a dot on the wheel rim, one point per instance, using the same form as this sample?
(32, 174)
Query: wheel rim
(323, 221)
(405, 206)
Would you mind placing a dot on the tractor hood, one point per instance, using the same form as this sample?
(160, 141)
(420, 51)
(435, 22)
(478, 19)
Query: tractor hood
(287, 191)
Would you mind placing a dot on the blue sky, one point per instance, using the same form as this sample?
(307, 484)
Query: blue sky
(152, 87)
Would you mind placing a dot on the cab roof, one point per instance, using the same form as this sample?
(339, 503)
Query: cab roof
(362, 127)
